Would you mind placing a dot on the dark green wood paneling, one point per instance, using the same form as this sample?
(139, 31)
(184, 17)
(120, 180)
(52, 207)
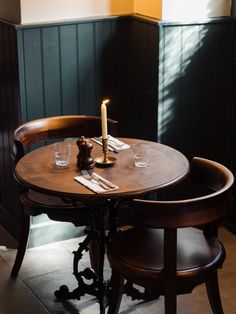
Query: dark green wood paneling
(9, 118)
(51, 71)
(87, 61)
(195, 77)
(104, 77)
(64, 68)
(33, 67)
(166, 81)
(121, 76)
(69, 69)
(22, 83)
(144, 88)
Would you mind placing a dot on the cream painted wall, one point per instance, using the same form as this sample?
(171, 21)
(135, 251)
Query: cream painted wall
(45, 10)
(194, 9)
(34, 11)
(10, 10)
(152, 8)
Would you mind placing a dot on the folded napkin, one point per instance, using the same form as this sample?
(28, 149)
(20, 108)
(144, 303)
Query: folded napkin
(94, 185)
(113, 143)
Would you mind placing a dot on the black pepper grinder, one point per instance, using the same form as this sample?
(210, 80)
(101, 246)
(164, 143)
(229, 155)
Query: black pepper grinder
(84, 158)
(80, 154)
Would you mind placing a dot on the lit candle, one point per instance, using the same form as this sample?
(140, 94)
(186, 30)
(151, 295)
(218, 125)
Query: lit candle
(104, 118)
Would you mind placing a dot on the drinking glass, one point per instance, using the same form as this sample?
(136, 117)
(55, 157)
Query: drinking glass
(141, 155)
(62, 151)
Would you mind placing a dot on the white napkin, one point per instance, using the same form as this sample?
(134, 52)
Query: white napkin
(117, 144)
(94, 186)
(113, 143)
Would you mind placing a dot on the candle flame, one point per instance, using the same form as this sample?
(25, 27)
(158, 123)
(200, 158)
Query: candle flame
(106, 101)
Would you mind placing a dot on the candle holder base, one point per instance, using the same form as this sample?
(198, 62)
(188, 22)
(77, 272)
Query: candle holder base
(105, 162)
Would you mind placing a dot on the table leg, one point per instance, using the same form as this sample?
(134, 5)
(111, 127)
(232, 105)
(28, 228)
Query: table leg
(95, 240)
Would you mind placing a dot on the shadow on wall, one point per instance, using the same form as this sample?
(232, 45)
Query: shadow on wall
(195, 79)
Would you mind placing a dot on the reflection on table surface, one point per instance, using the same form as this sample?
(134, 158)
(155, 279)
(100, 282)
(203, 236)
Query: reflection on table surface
(37, 171)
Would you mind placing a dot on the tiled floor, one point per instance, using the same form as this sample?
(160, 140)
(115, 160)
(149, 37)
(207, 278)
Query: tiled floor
(47, 267)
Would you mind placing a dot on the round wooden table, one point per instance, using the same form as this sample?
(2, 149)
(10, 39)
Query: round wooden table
(37, 171)
(167, 166)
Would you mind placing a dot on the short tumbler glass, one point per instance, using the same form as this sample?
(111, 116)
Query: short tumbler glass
(62, 151)
(141, 155)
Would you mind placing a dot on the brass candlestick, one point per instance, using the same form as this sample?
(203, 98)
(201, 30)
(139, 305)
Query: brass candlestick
(105, 160)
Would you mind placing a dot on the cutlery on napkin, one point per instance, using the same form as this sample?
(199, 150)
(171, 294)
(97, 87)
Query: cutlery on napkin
(114, 144)
(98, 140)
(95, 182)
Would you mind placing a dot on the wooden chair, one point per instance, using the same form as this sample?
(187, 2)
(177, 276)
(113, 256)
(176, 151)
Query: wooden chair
(163, 252)
(35, 203)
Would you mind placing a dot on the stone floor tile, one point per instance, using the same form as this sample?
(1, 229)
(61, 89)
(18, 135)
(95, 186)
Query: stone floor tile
(15, 296)
(41, 260)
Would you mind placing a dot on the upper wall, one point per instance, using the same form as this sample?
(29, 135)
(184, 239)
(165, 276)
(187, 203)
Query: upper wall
(152, 8)
(31, 11)
(179, 10)
(34, 11)
(44, 10)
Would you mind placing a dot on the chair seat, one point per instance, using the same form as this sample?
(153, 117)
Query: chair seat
(55, 207)
(195, 256)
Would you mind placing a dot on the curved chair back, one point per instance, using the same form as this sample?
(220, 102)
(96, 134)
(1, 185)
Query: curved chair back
(57, 127)
(194, 211)
(175, 258)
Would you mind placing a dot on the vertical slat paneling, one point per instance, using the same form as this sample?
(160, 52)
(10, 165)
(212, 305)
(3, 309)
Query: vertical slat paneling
(13, 203)
(139, 44)
(33, 64)
(222, 118)
(207, 93)
(9, 118)
(144, 88)
(6, 111)
(51, 71)
(170, 82)
(86, 53)
(69, 69)
(120, 73)
(22, 82)
(103, 74)
(151, 93)
(3, 110)
(190, 103)
(195, 83)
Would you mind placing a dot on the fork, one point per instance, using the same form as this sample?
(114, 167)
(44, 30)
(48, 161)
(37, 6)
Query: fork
(88, 176)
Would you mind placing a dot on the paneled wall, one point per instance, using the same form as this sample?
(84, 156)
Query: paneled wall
(59, 69)
(195, 88)
(167, 81)
(69, 68)
(144, 78)
(9, 119)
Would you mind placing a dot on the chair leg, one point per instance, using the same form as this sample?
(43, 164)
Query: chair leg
(24, 233)
(170, 305)
(170, 300)
(115, 296)
(213, 293)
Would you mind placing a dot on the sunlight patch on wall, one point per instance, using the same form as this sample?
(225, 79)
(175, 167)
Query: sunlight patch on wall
(181, 10)
(176, 55)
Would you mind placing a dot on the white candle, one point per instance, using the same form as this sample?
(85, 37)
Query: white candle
(104, 118)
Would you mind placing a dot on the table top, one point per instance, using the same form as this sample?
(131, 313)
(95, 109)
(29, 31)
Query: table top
(37, 171)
